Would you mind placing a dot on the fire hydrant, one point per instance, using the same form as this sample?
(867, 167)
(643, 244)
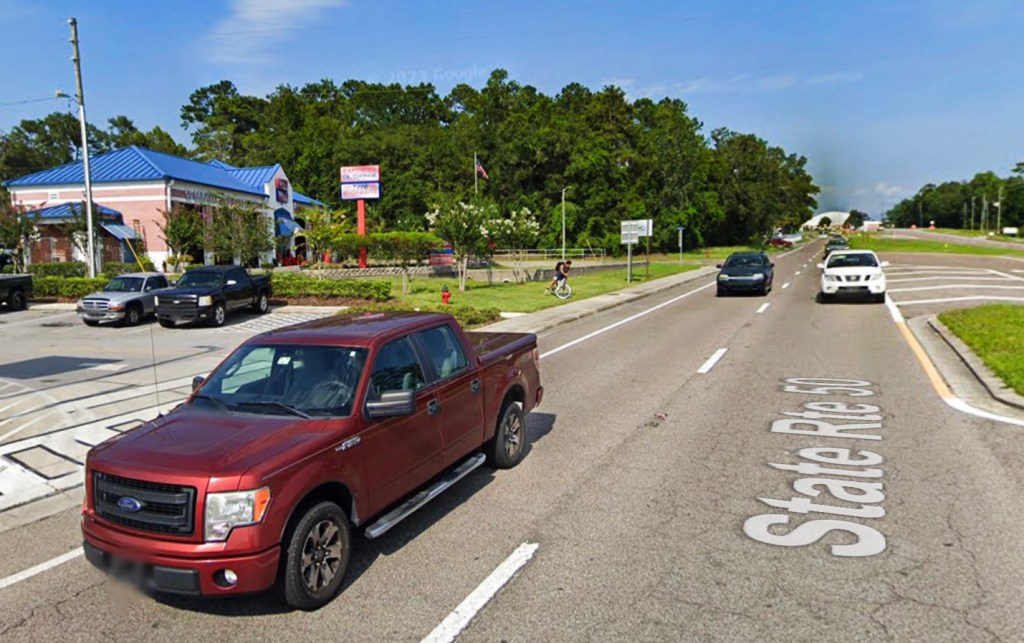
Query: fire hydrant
(446, 294)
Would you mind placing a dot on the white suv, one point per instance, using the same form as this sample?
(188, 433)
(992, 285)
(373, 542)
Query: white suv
(853, 272)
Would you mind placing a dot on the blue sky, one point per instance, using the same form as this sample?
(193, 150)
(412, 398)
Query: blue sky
(881, 96)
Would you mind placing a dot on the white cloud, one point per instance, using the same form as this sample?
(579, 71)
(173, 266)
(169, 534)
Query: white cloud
(888, 190)
(622, 83)
(255, 27)
(835, 78)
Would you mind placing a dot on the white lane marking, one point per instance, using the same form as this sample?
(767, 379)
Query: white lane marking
(455, 622)
(956, 286)
(897, 316)
(710, 364)
(40, 568)
(789, 252)
(914, 302)
(960, 405)
(785, 285)
(763, 308)
(797, 273)
(623, 321)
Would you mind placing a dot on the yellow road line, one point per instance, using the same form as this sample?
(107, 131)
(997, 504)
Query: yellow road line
(929, 368)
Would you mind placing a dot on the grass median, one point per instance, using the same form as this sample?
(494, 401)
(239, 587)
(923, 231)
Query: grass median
(879, 243)
(996, 334)
(529, 297)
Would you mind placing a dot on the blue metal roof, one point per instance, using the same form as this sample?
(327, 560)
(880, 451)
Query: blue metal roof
(137, 164)
(119, 230)
(255, 177)
(302, 199)
(68, 211)
(221, 164)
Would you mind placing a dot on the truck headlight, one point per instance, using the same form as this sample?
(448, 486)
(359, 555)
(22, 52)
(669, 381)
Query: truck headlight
(225, 511)
(156, 301)
(830, 278)
(116, 306)
(757, 277)
(206, 300)
(723, 277)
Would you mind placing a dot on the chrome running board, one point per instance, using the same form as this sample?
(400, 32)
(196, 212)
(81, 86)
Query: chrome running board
(402, 511)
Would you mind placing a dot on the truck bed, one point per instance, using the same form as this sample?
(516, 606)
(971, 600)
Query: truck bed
(490, 347)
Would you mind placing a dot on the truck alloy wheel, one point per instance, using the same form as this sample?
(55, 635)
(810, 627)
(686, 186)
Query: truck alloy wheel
(509, 437)
(16, 300)
(262, 304)
(132, 316)
(218, 314)
(315, 557)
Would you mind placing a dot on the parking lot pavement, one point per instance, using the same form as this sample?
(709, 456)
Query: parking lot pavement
(929, 284)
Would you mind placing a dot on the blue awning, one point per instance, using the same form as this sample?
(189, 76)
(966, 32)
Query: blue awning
(287, 227)
(119, 230)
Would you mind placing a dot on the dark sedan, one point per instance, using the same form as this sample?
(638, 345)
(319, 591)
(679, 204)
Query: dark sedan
(746, 272)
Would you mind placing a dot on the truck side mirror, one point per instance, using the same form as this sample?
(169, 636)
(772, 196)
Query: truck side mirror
(197, 381)
(821, 266)
(231, 282)
(392, 404)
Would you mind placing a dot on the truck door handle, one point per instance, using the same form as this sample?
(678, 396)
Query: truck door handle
(475, 386)
(433, 407)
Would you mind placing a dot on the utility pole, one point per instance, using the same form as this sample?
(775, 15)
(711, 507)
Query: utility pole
(972, 212)
(563, 222)
(984, 211)
(963, 220)
(999, 213)
(76, 58)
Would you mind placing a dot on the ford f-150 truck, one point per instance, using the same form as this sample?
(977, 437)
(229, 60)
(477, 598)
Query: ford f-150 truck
(15, 291)
(207, 294)
(299, 436)
(126, 299)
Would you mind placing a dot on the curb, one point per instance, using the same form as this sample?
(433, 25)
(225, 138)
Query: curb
(982, 373)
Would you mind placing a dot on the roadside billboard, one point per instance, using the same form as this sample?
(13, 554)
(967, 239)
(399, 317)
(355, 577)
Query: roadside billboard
(353, 191)
(360, 173)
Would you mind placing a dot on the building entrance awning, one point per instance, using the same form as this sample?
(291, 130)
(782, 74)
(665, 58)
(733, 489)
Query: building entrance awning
(284, 223)
(119, 230)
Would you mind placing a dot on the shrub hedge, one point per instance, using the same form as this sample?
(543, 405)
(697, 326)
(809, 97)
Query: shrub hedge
(58, 269)
(467, 316)
(66, 287)
(115, 268)
(288, 285)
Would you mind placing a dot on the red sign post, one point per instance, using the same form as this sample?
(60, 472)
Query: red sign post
(358, 183)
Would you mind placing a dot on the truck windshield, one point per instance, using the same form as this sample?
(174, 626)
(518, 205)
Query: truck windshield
(199, 279)
(124, 284)
(319, 381)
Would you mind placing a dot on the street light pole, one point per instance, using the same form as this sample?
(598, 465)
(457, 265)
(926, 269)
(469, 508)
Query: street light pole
(85, 149)
(563, 222)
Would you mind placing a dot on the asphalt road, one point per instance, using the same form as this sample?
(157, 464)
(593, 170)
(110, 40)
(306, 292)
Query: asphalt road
(653, 478)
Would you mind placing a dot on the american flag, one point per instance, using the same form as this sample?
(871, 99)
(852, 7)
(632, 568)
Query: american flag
(480, 168)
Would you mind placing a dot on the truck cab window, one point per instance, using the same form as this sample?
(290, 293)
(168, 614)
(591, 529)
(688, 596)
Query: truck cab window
(396, 368)
(444, 350)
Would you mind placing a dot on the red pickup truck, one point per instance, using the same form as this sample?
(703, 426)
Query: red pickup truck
(299, 436)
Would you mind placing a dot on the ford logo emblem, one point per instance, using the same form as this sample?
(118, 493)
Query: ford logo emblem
(129, 504)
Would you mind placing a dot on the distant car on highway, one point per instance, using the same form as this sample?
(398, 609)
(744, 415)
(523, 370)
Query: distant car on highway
(746, 272)
(780, 242)
(852, 272)
(836, 242)
(126, 299)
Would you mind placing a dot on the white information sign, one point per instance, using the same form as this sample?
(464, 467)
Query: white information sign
(369, 190)
(360, 173)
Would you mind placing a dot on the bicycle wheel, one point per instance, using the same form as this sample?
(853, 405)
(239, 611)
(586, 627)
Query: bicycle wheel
(563, 290)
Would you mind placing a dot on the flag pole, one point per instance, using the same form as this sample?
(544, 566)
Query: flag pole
(476, 176)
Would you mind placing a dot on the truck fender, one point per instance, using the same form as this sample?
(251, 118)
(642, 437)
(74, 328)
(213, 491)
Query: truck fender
(510, 385)
(312, 483)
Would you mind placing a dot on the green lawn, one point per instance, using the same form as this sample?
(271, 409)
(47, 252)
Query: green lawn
(880, 243)
(528, 297)
(975, 234)
(996, 334)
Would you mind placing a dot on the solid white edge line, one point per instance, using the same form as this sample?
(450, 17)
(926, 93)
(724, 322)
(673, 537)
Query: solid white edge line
(710, 364)
(797, 273)
(40, 568)
(763, 308)
(455, 622)
(954, 401)
(785, 285)
(623, 321)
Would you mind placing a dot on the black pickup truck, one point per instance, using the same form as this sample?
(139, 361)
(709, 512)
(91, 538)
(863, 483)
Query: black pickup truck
(15, 291)
(207, 294)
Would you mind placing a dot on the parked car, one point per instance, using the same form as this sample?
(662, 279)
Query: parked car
(853, 272)
(780, 242)
(298, 437)
(126, 299)
(746, 272)
(15, 291)
(207, 294)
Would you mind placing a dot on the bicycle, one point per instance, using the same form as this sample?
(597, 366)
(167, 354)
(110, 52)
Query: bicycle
(563, 290)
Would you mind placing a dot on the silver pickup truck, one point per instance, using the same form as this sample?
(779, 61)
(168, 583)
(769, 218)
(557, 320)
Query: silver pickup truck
(126, 299)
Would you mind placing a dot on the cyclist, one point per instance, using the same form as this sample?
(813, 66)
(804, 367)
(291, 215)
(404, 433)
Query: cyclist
(562, 269)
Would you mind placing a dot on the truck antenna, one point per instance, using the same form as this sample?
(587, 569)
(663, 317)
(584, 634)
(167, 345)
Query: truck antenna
(156, 381)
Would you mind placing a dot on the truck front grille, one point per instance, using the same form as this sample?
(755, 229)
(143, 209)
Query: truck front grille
(95, 305)
(163, 508)
(173, 303)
